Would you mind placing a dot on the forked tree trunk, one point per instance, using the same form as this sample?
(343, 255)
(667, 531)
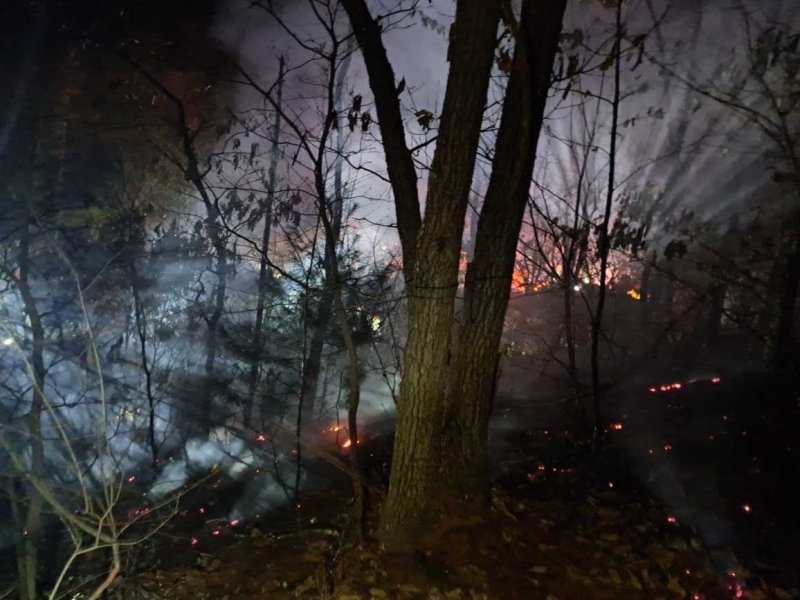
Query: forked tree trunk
(414, 481)
(488, 280)
(431, 256)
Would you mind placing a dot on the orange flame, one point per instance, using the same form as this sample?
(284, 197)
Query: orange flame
(633, 294)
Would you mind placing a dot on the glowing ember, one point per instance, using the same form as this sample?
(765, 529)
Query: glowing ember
(667, 387)
(261, 438)
(667, 447)
(747, 508)
(672, 520)
(611, 484)
(542, 468)
(216, 532)
(235, 522)
(519, 280)
(195, 541)
(346, 443)
(633, 294)
(716, 379)
(132, 478)
(617, 426)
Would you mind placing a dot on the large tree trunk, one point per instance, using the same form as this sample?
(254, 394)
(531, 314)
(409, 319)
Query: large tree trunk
(414, 480)
(431, 255)
(488, 279)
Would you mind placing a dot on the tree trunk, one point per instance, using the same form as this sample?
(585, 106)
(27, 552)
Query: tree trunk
(604, 243)
(488, 280)
(264, 275)
(30, 514)
(431, 255)
(414, 480)
(716, 306)
(782, 338)
(141, 331)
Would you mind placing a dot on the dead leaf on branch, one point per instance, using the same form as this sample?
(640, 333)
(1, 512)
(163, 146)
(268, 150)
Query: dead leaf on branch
(424, 118)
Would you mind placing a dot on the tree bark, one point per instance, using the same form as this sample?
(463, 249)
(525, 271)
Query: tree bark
(603, 242)
(489, 275)
(421, 403)
(264, 275)
(399, 162)
(431, 254)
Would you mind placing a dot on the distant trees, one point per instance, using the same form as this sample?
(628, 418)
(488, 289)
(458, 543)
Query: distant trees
(760, 88)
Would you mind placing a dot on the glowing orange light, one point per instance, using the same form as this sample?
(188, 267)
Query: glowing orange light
(518, 281)
(346, 443)
(261, 438)
(633, 294)
(617, 426)
(747, 508)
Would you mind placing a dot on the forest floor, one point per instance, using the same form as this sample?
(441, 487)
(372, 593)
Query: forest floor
(562, 525)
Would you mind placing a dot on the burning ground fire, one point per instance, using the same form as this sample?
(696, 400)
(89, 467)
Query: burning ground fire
(337, 429)
(669, 387)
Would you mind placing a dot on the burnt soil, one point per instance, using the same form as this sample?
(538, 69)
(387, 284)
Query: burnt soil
(563, 522)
